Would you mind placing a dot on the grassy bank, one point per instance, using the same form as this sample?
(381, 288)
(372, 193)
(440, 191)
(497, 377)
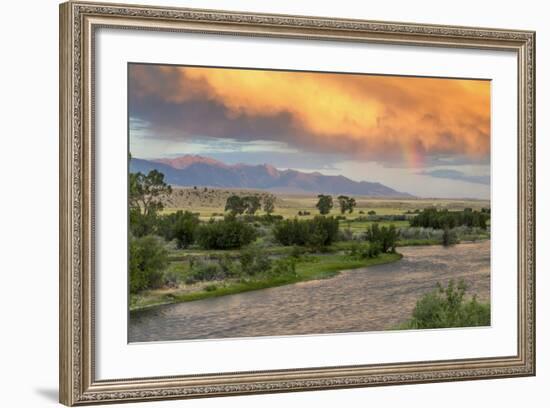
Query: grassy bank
(310, 268)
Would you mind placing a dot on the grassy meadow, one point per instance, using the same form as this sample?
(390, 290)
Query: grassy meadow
(210, 202)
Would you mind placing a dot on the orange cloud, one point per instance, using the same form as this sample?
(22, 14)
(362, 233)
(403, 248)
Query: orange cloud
(369, 113)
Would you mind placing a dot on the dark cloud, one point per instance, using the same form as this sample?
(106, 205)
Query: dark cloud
(396, 121)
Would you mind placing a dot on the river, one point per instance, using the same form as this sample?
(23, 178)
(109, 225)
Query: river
(366, 299)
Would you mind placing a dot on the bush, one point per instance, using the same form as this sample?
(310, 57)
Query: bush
(266, 219)
(440, 219)
(317, 233)
(229, 267)
(447, 307)
(284, 267)
(180, 226)
(345, 235)
(373, 250)
(204, 271)
(254, 262)
(291, 232)
(385, 237)
(420, 233)
(297, 252)
(148, 260)
(227, 234)
(142, 224)
(449, 237)
(354, 249)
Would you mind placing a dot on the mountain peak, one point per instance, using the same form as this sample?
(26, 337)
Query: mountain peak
(271, 170)
(195, 170)
(187, 160)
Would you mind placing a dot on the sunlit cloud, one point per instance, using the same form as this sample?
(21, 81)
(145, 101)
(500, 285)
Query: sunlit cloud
(401, 120)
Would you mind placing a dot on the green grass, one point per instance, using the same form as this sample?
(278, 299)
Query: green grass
(312, 267)
(360, 226)
(176, 255)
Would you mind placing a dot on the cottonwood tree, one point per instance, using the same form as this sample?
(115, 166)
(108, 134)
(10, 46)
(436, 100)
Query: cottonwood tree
(269, 203)
(251, 204)
(324, 205)
(146, 191)
(235, 205)
(346, 203)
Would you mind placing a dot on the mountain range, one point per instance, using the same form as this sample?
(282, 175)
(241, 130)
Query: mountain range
(194, 170)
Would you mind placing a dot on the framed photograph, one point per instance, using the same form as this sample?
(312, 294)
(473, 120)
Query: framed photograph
(256, 203)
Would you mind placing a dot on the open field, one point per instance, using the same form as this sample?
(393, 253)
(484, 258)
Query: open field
(210, 202)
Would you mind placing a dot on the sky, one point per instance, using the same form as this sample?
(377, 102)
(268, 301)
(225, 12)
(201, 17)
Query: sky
(429, 137)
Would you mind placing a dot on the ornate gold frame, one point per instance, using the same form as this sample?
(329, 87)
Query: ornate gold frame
(78, 22)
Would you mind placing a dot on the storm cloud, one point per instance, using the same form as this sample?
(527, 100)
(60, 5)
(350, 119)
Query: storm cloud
(406, 121)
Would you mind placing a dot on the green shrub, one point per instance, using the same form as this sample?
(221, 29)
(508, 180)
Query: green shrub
(284, 267)
(229, 267)
(227, 234)
(385, 237)
(447, 307)
(355, 249)
(440, 219)
(291, 232)
(449, 237)
(317, 232)
(142, 224)
(180, 226)
(204, 271)
(372, 250)
(254, 262)
(148, 260)
(345, 235)
(297, 252)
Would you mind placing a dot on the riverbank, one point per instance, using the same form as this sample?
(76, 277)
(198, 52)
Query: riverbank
(368, 299)
(311, 267)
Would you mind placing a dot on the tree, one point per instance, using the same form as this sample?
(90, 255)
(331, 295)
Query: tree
(324, 205)
(142, 224)
(269, 203)
(148, 260)
(351, 204)
(146, 191)
(343, 203)
(251, 204)
(235, 205)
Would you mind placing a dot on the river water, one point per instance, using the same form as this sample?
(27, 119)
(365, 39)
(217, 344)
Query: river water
(366, 299)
